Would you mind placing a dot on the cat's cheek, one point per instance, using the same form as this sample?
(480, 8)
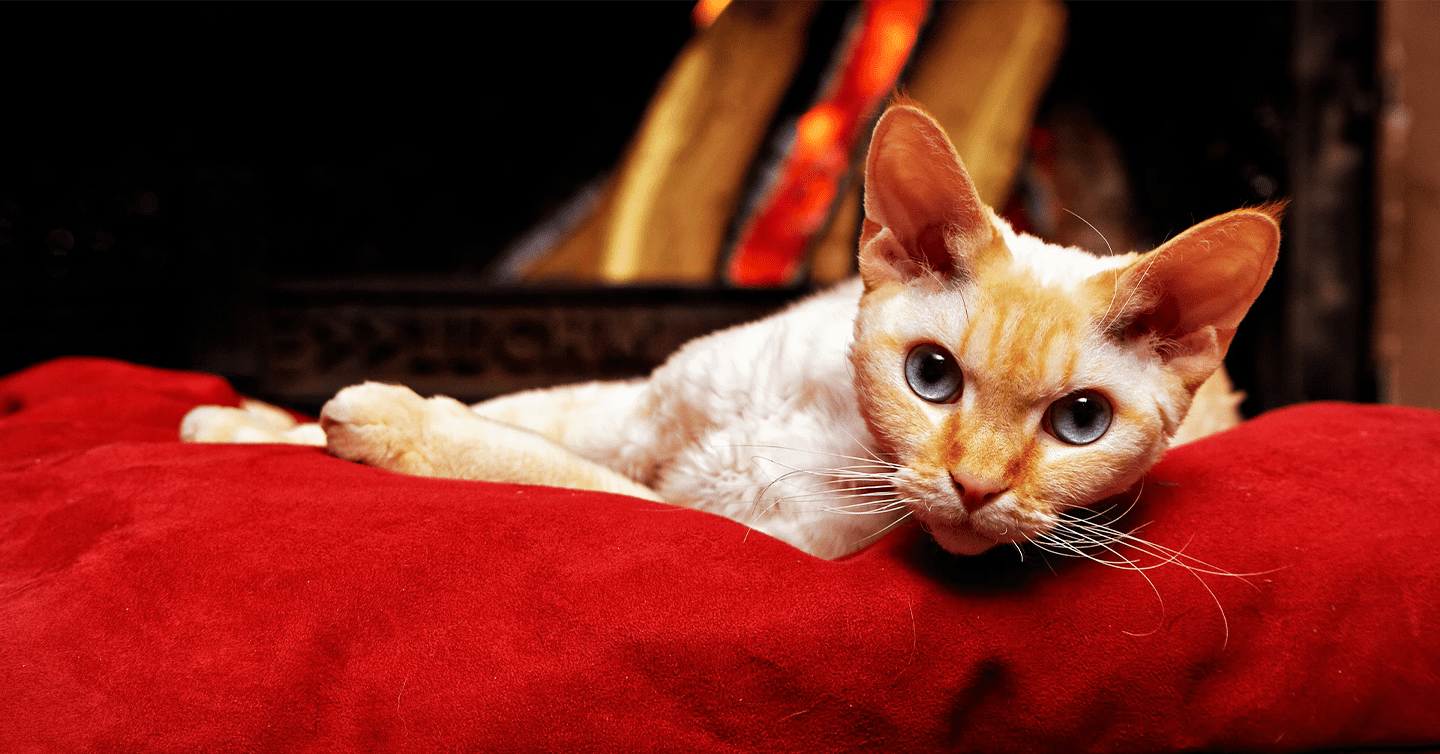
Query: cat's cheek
(893, 417)
(1102, 471)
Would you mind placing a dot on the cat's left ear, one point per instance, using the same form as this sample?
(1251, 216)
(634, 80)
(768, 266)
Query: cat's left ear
(922, 213)
(1193, 290)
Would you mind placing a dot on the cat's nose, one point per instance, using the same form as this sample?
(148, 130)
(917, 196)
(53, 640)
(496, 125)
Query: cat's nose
(976, 491)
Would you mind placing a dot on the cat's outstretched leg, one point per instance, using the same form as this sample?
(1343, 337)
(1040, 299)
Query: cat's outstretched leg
(254, 422)
(589, 419)
(393, 428)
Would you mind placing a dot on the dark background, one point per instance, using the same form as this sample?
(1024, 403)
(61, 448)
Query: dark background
(164, 170)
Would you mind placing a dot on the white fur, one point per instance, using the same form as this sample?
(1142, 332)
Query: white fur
(1057, 266)
(731, 413)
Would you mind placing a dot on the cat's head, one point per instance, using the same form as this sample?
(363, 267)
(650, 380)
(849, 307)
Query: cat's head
(1014, 379)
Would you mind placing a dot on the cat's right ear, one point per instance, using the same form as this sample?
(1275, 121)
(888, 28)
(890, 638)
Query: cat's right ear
(922, 213)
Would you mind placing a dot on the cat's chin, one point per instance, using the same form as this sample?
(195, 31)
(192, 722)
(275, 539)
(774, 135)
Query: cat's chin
(960, 539)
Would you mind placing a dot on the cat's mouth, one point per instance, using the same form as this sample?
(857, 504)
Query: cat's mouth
(1005, 519)
(959, 538)
(962, 538)
(972, 536)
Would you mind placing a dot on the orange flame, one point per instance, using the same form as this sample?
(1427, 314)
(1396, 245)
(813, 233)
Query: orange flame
(895, 25)
(818, 131)
(706, 11)
(772, 248)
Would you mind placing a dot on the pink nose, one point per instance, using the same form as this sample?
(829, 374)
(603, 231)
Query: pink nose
(976, 491)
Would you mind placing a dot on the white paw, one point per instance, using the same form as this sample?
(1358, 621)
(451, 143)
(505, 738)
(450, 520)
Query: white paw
(377, 425)
(255, 423)
(274, 416)
(225, 424)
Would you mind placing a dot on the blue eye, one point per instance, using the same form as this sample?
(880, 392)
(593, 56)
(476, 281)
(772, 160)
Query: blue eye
(1079, 418)
(933, 373)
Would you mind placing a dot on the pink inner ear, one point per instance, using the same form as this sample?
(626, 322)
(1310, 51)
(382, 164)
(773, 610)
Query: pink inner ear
(1207, 276)
(916, 187)
(935, 253)
(1215, 289)
(1163, 319)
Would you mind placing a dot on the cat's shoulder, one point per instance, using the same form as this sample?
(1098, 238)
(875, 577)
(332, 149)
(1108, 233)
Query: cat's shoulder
(806, 341)
(826, 315)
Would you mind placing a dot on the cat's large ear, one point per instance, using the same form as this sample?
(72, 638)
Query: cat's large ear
(922, 213)
(1193, 290)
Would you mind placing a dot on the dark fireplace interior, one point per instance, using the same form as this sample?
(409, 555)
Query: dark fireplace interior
(265, 196)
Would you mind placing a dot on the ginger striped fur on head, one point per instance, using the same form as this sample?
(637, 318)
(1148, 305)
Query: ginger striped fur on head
(1013, 379)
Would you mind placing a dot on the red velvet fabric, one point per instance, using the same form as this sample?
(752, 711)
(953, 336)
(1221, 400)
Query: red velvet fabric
(159, 597)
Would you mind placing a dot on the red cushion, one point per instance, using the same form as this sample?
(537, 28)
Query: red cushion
(156, 596)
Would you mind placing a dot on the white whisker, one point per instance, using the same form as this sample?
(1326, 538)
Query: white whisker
(1123, 307)
(1108, 247)
(1080, 531)
(866, 461)
(892, 525)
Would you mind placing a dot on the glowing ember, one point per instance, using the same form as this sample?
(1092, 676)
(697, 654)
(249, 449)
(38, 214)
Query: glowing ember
(887, 46)
(706, 11)
(773, 246)
(817, 131)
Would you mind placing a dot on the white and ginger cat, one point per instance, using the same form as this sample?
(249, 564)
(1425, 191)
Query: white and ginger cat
(976, 379)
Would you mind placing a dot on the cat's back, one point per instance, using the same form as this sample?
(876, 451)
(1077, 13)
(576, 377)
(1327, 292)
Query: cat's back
(730, 412)
(769, 364)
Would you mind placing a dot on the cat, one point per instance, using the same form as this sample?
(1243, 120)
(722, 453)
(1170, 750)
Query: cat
(976, 379)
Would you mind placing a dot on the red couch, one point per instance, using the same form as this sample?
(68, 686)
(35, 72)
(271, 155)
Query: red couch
(163, 597)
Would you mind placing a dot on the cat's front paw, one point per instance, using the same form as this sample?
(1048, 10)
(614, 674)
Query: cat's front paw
(377, 425)
(254, 422)
(223, 424)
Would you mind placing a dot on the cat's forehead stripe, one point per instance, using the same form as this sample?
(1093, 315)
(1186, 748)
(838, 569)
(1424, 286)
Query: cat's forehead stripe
(1034, 309)
(1032, 337)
